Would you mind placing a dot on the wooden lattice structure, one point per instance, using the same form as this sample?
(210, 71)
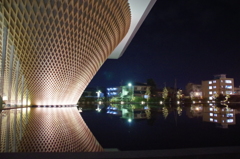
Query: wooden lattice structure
(55, 47)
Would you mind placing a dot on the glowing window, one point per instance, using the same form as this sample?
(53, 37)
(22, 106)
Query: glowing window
(211, 119)
(210, 87)
(209, 82)
(228, 92)
(214, 86)
(221, 80)
(214, 92)
(229, 120)
(229, 115)
(223, 121)
(211, 109)
(211, 114)
(210, 92)
(214, 81)
(210, 98)
(228, 81)
(215, 114)
(215, 120)
(228, 87)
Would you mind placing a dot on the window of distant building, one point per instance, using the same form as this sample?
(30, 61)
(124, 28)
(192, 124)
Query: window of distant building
(210, 87)
(229, 120)
(209, 82)
(228, 92)
(215, 120)
(229, 115)
(214, 86)
(210, 92)
(211, 119)
(228, 87)
(211, 114)
(210, 98)
(228, 81)
(214, 81)
(214, 92)
(215, 114)
(221, 80)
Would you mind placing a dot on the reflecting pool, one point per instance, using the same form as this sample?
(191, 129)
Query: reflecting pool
(150, 127)
(45, 129)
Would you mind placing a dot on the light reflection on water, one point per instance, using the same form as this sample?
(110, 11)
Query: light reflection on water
(45, 130)
(168, 126)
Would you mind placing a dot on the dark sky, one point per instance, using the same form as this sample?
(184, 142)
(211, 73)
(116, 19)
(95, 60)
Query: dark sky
(190, 40)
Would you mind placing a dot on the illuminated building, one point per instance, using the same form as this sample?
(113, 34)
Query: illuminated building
(52, 49)
(219, 85)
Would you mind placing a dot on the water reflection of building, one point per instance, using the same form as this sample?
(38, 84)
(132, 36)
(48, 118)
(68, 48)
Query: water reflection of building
(45, 130)
(130, 112)
(223, 116)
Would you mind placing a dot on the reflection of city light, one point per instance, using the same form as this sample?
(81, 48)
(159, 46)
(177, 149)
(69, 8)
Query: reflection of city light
(207, 101)
(129, 120)
(178, 102)
(98, 109)
(160, 102)
(193, 102)
(122, 102)
(100, 102)
(143, 102)
(197, 108)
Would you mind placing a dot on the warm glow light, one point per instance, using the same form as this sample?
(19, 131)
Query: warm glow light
(122, 102)
(160, 102)
(4, 97)
(178, 102)
(143, 102)
(193, 102)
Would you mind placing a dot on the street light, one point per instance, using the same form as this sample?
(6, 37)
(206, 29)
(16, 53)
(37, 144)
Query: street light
(130, 85)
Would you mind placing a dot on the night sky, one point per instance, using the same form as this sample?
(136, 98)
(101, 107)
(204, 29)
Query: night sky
(187, 40)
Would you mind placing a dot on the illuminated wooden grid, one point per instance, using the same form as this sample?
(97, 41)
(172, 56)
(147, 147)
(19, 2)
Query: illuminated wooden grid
(46, 130)
(61, 44)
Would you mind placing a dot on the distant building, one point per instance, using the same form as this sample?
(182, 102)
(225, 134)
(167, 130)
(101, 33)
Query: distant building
(236, 90)
(219, 85)
(134, 89)
(194, 90)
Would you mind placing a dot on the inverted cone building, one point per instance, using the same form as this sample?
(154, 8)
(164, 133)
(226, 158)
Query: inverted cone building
(51, 49)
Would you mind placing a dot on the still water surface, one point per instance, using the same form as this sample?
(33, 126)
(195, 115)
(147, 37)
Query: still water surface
(151, 127)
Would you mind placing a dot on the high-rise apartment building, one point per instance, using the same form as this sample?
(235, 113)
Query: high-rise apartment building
(219, 85)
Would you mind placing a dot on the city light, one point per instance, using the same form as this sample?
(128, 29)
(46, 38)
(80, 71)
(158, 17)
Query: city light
(122, 102)
(129, 120)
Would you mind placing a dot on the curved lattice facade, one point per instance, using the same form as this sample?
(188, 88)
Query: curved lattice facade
(54, 48)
